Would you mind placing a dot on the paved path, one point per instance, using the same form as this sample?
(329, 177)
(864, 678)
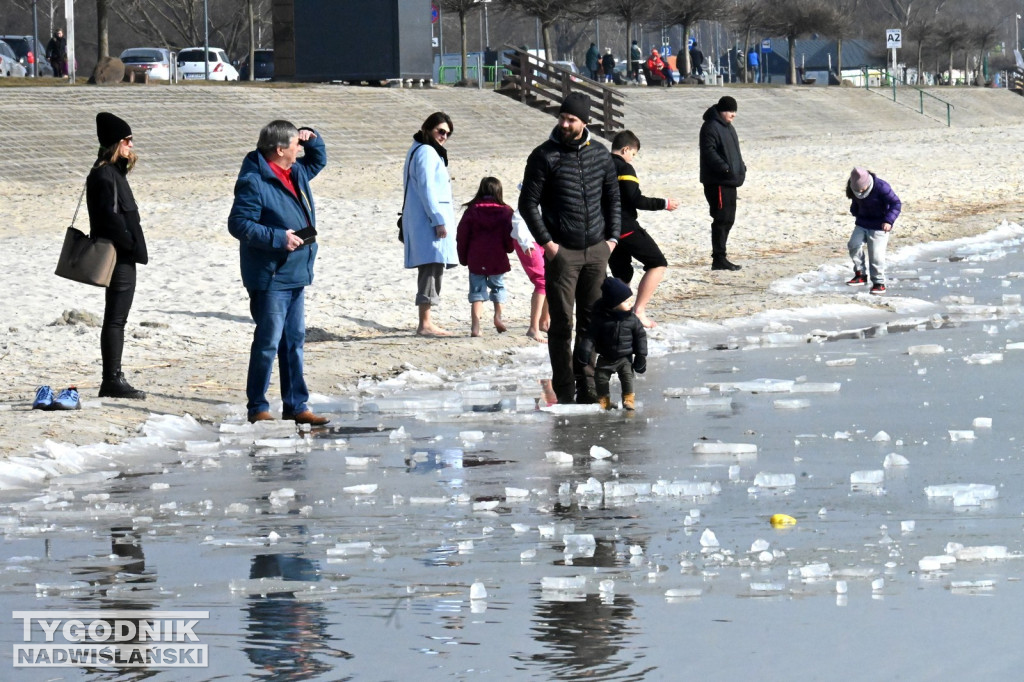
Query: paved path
(49, 132)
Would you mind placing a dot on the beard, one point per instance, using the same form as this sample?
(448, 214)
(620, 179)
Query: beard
(568, 135)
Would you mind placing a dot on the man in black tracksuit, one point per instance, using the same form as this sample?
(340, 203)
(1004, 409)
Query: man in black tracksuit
(721, 171)
(570, 202)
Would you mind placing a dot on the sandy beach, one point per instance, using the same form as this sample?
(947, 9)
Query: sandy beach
(189, 332)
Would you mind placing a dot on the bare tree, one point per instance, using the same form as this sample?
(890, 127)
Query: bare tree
(687, 13)
(461, 8)
(548, 12)
(796, 18)
(917, 18)
(631, 12)
(847, 11)
(179, 23)
(747, 17)
(102, 30)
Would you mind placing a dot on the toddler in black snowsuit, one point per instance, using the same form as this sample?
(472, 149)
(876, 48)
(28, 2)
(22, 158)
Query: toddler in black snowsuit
(619, 338)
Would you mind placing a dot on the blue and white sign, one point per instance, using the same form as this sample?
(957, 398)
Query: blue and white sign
(893, 38)
(766, 45)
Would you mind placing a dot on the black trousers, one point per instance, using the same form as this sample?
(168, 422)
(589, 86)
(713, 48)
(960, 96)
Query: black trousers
(722, 205)
(573, 280)
(606, 368)
(120, 295)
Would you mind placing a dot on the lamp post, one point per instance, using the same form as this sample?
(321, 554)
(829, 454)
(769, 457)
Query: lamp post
(35, 40)
(206, 37)
(1016, 33)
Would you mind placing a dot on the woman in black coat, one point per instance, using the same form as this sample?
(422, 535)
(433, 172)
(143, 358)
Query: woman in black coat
(114, 215)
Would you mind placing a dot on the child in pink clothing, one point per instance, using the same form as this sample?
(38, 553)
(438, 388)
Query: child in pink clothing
(484, 240)
(532, 258)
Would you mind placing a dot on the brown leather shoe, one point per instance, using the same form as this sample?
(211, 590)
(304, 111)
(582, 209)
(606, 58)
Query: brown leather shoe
(307, 417)
(261, 417)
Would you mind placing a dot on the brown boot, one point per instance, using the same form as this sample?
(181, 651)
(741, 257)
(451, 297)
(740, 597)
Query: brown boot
(605, 402)
(629, 401)
(307, 417)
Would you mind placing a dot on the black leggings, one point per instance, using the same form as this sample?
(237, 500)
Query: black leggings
(120, 295)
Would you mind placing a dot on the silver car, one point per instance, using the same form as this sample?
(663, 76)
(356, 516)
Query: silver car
(155, 61)
(10, 67)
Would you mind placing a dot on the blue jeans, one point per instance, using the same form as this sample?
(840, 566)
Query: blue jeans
(280, 318)
(874, 243)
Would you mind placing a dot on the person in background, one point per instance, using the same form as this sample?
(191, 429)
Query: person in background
(531, 256)
(697, 62)
(484, 240)
(570, 202)
(636, 61)
(593, 61)
(608, 65)
(875, 207)
(754, 66)
(619, 339)
(658, 68)
(429, 215)
(722, 171)
(114, 215)
(634, 241)
(57, 54)
(274, 220)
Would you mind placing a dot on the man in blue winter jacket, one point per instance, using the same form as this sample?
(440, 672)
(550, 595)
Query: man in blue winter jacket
(274, 221)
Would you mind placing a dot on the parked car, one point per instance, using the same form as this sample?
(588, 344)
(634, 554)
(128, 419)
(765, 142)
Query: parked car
(155, 61)
(30, 53)
(192, 65)
(10, 67)
(264, 64)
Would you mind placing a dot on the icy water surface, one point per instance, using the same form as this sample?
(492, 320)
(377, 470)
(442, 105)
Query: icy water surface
(443, 528)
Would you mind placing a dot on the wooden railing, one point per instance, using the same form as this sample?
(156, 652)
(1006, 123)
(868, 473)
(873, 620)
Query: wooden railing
(538, 80)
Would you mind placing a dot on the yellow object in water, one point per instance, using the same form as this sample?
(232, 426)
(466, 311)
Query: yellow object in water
(782, 520)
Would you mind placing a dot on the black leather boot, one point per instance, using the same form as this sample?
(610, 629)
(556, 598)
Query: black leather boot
(116, 386)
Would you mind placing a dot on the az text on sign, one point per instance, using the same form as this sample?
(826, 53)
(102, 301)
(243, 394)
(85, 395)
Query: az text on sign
(893, 38)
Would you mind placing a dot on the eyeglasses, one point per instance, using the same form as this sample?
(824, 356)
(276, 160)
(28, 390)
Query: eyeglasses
(443, 132)
(127, 139)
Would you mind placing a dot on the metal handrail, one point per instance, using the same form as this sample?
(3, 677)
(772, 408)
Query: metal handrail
(921, 93)
(447, 75)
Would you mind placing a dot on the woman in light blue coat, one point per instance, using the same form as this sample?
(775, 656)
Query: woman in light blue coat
(428, 213)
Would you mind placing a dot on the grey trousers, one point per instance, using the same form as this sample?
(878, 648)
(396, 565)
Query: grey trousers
(874, 243)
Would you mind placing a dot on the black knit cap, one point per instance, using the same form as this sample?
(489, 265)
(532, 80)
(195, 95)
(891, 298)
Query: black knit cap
(726, 103)
(577, 104)
(614, 291)
(110, 129)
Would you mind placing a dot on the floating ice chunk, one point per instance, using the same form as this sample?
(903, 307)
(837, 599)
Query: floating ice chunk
(43, 589)
(984, 358)
(708, 538)
(349, 549)
(764, 385)
(907, 526)
(968, 585)
(1015, 345)
(926, 349)
(597, 452)
(237, 508)
(606, 586)
(636, 550)
(759, 546)
(766, 557)
(471, 436)
(592, 486)
(581, 540)
(841, 362)
(264, 586)
(935, 563)
(958, 435)
(683, 392)
(159, 486)
(560, 584)
(819, 387)
(422, 499)
(683, 593)
(872, 477)
(527, 555)
(841, 587)
(362, 489)
(477, 591)
(815, 571)
(685, 488)
(703, 401)
(980, 553)
(707, 448)
(895, 460)
(486, 505)
(982, 423)
(842, 435)
(616, 489)
(881, 437)
(558, 457)
(398, 434)
(964, 495)
(766, 480)
(281, 496)
(516, 493)
(734, 472)
(520, 527)
(791, 404)
(878, 584)
(357, 462)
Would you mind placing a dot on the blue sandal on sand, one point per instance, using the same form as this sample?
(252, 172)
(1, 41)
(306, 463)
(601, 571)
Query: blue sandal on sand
(44, 399)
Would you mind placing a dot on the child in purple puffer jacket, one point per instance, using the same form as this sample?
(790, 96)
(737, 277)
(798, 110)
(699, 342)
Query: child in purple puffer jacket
(875, 207)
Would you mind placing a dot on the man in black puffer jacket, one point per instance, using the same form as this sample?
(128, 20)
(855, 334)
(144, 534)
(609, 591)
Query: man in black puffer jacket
(721, 171)
(570, 202)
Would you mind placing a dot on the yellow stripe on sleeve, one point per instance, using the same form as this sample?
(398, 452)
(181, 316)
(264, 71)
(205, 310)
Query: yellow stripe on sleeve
(629, 178)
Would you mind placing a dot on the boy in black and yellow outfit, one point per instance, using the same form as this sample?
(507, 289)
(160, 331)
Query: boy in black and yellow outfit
(620, 341)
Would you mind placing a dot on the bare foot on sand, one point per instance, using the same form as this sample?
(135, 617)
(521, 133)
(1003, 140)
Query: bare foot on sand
(545, 325)
(547, 393)
(474, 330)
(646, 321)
(499, 325)
(432, 330)
(536, 336)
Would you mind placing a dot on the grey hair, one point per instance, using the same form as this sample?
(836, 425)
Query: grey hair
(276, 134)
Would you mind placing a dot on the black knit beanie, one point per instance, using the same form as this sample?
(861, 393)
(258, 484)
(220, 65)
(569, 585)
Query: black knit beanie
(110, 129)
(614, 291)
(726, 103)
(577, 104)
